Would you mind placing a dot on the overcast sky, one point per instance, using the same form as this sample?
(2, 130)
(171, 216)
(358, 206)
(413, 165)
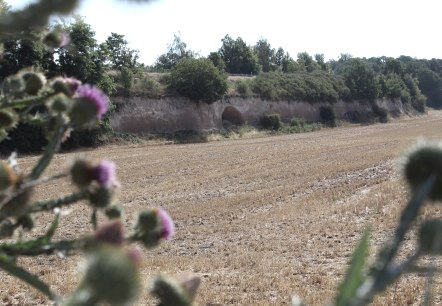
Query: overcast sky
(362, 28)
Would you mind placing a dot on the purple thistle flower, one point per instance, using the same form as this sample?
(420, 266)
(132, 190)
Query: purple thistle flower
(104, 173)
(167, 224)
(95, 96)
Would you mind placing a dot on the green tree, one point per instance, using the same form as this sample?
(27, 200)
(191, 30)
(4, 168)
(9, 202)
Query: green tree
(177, 51)
(118, 53)
(279, 56)
(238, 57)
(216, 59)
(430, 84)
(306, 62)
(289, 65)
(395, 86)
(320, 60)
(361, 80)
(393, 65)
(265, 54)
(198, 79)
(83, 58)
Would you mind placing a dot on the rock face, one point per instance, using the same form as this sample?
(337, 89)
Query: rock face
(171, 114)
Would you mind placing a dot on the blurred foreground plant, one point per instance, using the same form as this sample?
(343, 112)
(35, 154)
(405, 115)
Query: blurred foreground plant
(59, 106)
(422, 167)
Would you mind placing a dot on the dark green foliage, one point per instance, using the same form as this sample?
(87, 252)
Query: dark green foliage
(360, 78)
(265, 54)
(19, 54)
(395, 87)
(299, 125)
(118, 53)
(307, 63)
(83, 59)
(238, 57)
(216, 59)
(25, 138)
(271, 122)
(318, 86)
(327, 115)
(198, 79)
(126, 77)
(430, 84)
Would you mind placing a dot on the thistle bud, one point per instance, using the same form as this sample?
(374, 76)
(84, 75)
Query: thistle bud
(101, 197)
(8, 118)
(13, 84)
(430, 237)
(56, 39)
(423, 161)
(60, 103)
(110, 233)
(104, 173)
(153, 225)
(34, 82)
(112, 276)
(68, 86)
(81, 173)
(114, 212)
(147, 228)
(19, 204)
(8, 177)
(170, 292)
(90, 105)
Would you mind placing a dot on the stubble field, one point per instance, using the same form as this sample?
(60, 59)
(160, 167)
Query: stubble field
(258, 219)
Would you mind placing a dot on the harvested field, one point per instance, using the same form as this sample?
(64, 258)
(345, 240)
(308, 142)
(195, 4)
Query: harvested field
(259, 219)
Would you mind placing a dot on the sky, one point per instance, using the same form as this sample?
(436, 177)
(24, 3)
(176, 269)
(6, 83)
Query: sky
(362, 28)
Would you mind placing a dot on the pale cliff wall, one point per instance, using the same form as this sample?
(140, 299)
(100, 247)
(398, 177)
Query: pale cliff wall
(171, 114)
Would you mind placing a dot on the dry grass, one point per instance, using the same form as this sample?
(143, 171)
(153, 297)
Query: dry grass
(259, 219)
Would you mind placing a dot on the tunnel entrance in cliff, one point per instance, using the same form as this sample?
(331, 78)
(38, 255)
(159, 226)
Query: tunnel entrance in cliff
(231, 116)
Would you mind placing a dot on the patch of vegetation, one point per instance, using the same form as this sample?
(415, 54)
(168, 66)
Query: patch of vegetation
(328, 115)
(186, 136)
(243, 88)
(198, 79)
(300, 125)
(317, 86)
(271, 122)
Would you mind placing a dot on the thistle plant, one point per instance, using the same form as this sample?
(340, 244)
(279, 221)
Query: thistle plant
(422, 168)
(58, 106)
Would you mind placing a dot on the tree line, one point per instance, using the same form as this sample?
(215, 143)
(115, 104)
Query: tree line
(112, 64)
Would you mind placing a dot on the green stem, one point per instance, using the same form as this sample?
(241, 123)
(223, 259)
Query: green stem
(55, 203)
(8, 264)
(384, 272)
(27, 185)
(34, 101)
(36, 247)
(409, 214)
